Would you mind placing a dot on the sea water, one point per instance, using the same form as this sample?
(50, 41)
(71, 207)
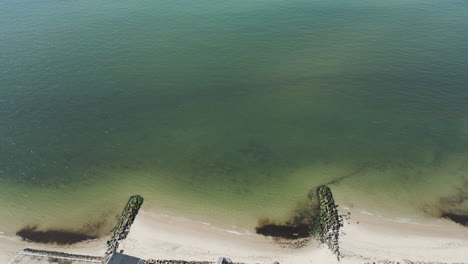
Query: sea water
(230, 111)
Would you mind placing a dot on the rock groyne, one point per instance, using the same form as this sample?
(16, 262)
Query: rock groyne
(122, 228)
(330, 221)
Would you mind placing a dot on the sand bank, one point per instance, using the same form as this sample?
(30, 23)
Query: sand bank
(160, 236)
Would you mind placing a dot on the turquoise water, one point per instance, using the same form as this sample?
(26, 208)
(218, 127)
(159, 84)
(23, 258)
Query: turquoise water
(230, 110)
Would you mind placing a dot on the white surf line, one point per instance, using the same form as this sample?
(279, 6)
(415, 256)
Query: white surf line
(405, 221)
(402, 220)
(393, 219)
(233, 232)
(59, 257)
(366, 213)
(244, 232)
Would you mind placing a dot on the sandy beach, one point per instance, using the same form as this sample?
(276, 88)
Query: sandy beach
(365, 238)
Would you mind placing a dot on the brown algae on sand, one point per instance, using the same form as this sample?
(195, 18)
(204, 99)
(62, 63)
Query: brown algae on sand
(317, 218)
(61, 237)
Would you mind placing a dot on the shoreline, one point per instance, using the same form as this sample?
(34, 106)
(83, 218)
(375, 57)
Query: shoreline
(10, 246)
(159, 236)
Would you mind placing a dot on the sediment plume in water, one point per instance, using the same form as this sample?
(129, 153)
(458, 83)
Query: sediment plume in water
(61, 237)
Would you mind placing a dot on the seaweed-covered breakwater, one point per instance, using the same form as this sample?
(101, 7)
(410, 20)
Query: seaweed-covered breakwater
(122, 228)
(330, 220)
(318, 218)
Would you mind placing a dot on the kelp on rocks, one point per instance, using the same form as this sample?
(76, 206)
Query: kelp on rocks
(330, 221)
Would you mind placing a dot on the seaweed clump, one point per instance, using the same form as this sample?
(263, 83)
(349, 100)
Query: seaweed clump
(301, 225)
(60, 237)
(284, 230)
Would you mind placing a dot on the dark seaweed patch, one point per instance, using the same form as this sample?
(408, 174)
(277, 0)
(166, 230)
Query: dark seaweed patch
(457, 218)
(299, 224)
(454, 207)
(284, 231)
(61, 237)
(304, 221)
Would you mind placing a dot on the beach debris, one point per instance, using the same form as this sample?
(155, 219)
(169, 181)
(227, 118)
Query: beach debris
(122, 228)
(295, 243)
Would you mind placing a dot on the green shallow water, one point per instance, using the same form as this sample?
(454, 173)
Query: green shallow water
(230, 111)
